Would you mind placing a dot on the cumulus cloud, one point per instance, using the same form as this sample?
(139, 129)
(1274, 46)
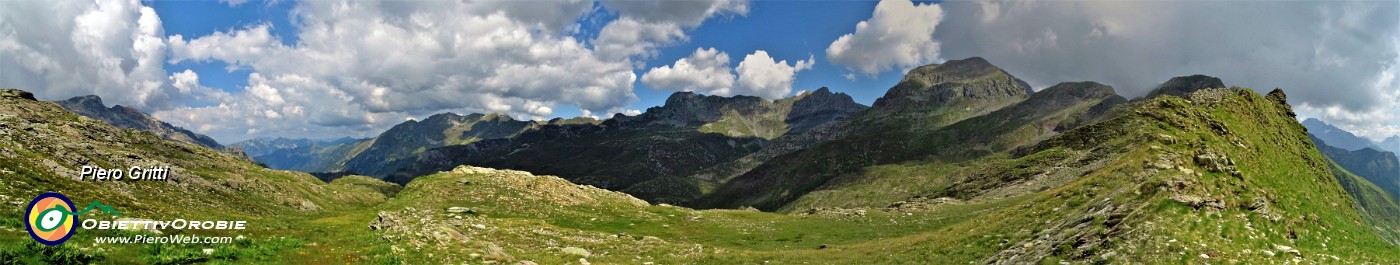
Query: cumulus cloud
(187, 84)
(113, 49)
(760, 76)
(643, 26)
(898, 35)
(707, 71)
(233, 2)
(356, 67)
(1326, 55)
(627, 37)
(363, 66)
(684, 13)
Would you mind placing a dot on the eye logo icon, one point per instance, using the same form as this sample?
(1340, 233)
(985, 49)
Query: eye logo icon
(50, 218)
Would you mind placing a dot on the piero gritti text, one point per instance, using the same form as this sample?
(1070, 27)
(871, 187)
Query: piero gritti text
(134, 173)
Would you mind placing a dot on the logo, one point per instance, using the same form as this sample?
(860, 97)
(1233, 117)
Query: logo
(50, 218)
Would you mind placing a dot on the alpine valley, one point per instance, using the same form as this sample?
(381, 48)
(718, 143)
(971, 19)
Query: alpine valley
(959, 162)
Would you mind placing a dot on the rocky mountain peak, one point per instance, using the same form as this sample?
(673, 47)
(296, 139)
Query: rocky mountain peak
(496, 117)
(1314, 122)
(680, 96)
(687, 108)
(1086, 89)
(953, 70)
(1182, 86)
(576, 120)
(955, 90)
(445, 116)
(822, 100)
(88, 102)
(970, 70)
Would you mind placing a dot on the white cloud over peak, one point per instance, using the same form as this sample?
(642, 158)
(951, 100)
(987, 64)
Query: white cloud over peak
(355, 67)
(898, 35)
(707, 71)
(364, 66)
(760, 75)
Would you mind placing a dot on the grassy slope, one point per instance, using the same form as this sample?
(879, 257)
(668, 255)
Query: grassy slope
(43, 145)
(766, 124)
(1377, 207)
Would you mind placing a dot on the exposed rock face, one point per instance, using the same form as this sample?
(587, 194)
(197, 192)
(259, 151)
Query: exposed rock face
(16, 93)
(823, 101)
(1336, 137)
(130, 118)
(1182, 86)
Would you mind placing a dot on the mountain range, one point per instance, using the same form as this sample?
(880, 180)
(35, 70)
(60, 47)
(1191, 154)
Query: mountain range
(960, 162)
(1337, 137)
(392, 149)
(685, 135)
(126, 117)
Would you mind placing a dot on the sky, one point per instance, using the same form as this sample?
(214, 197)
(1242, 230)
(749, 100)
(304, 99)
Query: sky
(241, 69)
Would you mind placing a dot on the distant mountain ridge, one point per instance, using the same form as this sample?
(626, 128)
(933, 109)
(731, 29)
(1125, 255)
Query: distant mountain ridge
(1381, 168)
(390, 150)
(1391, 144)
(306, 155)
(1336, 136)
(688, 133)
(266, 145)
(131, 118)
